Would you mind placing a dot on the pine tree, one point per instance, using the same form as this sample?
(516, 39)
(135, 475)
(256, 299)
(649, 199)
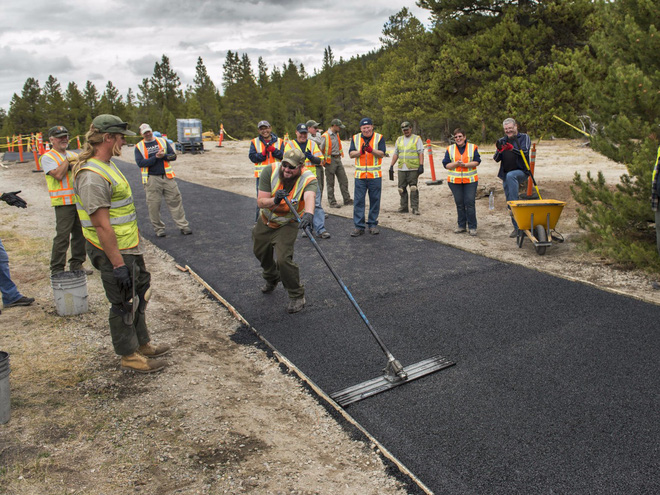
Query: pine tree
(25, 112)
(91, 96)
(54, 106)
(75, 106)
(242, 100)
(622, 76)
(205, 95)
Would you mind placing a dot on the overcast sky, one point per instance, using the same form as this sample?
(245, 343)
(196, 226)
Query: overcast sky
(119, 41)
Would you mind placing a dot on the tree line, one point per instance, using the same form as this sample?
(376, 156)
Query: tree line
(591, 62)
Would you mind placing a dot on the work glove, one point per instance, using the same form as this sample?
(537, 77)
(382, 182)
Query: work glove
(368, 148)
(270, 148)
(123, 277)
(306, 221)
(391, 173)
(13, 199)
(171, 157)
(309, 155)
(280, 194)
(420, 170)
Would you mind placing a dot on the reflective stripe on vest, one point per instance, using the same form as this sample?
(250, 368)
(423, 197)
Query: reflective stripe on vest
(260, 147)
(311, 146)
(367, 166)
(162, 145)
(462, 175)
(408, 155)
(61, 191)
(328, 146)
(281, 215)
(123, 218)
(655, 168)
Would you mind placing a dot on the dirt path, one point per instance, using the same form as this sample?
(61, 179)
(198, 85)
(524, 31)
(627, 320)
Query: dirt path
(223, 418)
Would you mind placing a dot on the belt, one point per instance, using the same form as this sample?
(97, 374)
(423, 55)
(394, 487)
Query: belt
(158, 175)
(336, 156)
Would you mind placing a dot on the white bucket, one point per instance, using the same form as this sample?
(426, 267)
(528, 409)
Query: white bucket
(5, 410)
(70, 292)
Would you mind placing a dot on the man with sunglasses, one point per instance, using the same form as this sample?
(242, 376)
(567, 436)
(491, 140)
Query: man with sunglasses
(409, 153)
(275, 232)
(57, 165)
(109, 221)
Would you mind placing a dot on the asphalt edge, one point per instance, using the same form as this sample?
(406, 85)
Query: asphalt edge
(315, 388)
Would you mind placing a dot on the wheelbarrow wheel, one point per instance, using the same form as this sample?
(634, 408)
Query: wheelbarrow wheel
(541, 236)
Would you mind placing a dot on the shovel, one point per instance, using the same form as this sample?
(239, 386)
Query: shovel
(394, 373)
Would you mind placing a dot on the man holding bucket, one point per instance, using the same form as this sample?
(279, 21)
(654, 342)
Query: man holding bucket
(109, 222)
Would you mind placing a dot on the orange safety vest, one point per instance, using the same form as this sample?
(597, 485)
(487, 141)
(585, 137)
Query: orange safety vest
(328, 146)
(367, 166)
(462, 175)
(260, 147)
(311, 146)
(61, 191)
(281, 215)
(162, 145)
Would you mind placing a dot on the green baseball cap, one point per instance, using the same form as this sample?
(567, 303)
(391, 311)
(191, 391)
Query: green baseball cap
(294, 157)
(112, 124)
(337, 122)
(58, 131)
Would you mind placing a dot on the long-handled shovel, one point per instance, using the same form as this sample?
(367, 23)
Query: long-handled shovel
(522, 153)
(395, 374)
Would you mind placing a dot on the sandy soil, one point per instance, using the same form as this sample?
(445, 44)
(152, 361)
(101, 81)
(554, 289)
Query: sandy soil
(225, 417)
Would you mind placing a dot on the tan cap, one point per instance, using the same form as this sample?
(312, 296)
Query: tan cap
(294, 157)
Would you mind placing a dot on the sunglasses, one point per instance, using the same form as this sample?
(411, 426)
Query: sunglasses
(289, 166)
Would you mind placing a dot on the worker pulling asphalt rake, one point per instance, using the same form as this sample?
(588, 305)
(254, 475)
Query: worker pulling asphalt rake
(394, 373)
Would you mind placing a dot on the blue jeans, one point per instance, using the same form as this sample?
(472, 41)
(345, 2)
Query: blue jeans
(464, 197)
(362, 187)
(9, 291)
(511, 183)
(318, 224)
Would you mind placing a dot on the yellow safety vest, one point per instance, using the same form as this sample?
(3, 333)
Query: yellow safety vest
(122, 210)
(281, 215)
(61, 191)
(162, 145)
(311, 146)
(462, 175)
(367, 166)
(260, 147)
(408, 154)
(328, 146)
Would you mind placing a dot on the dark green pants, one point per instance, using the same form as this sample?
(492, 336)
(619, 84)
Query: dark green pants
(279, 242)
(408, 178)
(67, 226)
(125, 338)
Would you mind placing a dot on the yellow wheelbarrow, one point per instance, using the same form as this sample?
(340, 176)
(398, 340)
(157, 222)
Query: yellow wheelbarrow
(536, 218)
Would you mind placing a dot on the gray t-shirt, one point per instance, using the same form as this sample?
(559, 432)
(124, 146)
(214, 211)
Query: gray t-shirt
(48, 163)
(95, 192)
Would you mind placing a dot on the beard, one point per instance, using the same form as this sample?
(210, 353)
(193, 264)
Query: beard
(287, 184)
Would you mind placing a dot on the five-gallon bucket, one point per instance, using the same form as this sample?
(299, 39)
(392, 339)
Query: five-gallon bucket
(70, 292)
(4, 388)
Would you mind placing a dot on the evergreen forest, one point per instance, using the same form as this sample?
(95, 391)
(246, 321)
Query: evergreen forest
(594, 63)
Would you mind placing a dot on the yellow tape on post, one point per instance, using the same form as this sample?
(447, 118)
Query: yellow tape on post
(571, 125)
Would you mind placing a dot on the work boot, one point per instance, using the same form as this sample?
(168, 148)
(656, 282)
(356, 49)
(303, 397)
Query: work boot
(186, 231)
(160, 233)
(514, 233)
(295, 305)
(349, 201)
(23, 301)
(357, 232)
(335, 205)
(374, 230)
(324, 235)
(150, 350)
(140, 364)
(472, 232)
(402, 210)
(459, 230)
(415, 211)
(269, 287)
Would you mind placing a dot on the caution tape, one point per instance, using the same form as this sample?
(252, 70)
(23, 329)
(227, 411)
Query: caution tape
(571, 125)
(224, 131)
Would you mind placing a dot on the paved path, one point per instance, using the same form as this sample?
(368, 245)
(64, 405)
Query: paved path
(556, 384)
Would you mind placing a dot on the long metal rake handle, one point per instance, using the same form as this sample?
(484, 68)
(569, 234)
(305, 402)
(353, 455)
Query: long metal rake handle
(390, 358)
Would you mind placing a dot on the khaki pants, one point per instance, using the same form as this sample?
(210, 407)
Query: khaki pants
(332, 169)
(158, 188)
(67, 226)
(280, 242)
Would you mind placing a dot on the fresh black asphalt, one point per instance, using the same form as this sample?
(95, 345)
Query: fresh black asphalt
(555, 387)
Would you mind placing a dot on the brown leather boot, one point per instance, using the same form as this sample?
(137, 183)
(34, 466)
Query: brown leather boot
(140, 364)
(150, 350)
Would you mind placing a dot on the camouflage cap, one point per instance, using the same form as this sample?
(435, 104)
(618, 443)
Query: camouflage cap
(112, 124)
(294, 157)
(405, 125)
(58, 131)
